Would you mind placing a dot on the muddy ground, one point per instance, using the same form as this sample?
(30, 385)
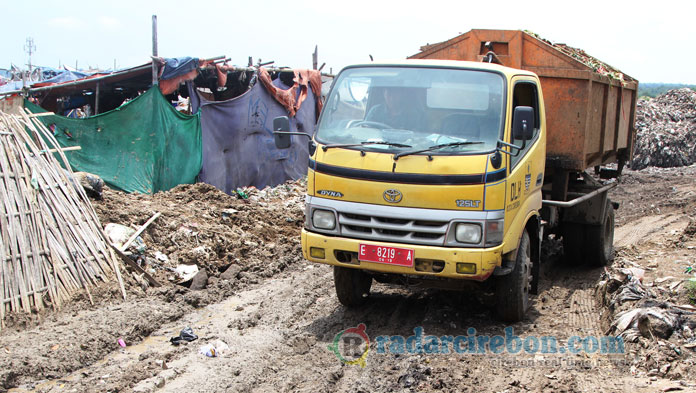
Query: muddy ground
(278, 314)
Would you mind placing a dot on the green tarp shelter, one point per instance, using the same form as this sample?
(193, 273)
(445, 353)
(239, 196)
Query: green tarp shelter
(143, 146)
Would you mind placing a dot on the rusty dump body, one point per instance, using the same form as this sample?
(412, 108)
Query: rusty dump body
(590, 107)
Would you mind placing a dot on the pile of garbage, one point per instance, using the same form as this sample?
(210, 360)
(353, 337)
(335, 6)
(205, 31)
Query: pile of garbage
(666, 130)
(634, 313)
(580, 55)
(637, 311)
(195, 235)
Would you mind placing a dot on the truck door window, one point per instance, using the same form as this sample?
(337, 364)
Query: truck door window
(525, 94)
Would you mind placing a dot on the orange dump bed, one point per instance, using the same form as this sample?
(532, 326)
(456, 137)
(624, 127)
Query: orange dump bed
(590, 106)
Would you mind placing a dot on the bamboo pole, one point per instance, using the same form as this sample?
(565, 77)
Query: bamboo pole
(52, 241)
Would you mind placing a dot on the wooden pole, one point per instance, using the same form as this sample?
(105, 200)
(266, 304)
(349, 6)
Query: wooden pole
(154, 50)
(140, 230)
(315, 57)
(96, 100)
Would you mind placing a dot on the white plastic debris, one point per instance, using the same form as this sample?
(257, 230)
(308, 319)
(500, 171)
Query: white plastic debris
(185, 272)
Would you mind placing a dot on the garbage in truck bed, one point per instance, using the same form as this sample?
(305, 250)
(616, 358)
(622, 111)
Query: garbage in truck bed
(590, 105)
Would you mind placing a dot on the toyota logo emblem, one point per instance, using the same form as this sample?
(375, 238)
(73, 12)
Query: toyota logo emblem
(392, 195)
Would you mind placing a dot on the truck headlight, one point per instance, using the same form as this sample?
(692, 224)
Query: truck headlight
(494, 232)
(468, 233)
(323, 219)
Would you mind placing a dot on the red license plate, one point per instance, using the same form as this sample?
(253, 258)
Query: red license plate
(388, 255)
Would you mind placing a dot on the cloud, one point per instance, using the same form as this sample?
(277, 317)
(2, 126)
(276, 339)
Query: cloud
(109, 23)
(66, 22)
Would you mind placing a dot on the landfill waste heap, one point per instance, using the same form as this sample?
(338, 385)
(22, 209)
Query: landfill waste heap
(666, 130)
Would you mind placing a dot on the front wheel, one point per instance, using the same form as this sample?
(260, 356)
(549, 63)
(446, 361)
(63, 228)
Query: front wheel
(512, 290)
(352, 286)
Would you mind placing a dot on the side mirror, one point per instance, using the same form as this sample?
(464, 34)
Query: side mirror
(523, 123)
(281, 132)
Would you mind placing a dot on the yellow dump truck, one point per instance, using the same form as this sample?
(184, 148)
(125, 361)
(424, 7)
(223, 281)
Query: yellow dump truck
(437, 173)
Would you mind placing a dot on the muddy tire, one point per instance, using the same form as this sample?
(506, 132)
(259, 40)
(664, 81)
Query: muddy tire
(352, 286)
(600, 239)
(512, 290)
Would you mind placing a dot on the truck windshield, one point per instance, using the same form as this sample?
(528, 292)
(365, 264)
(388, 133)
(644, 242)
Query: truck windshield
(415, 106)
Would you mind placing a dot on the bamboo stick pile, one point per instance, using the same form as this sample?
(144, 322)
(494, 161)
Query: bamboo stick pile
(52, 242)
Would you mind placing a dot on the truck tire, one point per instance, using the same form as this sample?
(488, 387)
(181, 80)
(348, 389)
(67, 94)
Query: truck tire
(512, 290)
(600, 247)
(352, 286)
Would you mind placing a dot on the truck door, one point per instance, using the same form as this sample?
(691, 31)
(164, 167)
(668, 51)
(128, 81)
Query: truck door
(526, 165)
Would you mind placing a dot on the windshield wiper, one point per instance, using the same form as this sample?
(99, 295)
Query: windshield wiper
(364, 143)
(436, 147)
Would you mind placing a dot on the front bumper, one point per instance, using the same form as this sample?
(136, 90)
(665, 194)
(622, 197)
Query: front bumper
(485, 259)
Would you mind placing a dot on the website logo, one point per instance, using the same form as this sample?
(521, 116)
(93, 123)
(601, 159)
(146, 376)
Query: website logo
(351, 346)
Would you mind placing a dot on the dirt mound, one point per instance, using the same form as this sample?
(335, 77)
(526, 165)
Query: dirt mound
(201, 225)
(236, 241)
(666, 130)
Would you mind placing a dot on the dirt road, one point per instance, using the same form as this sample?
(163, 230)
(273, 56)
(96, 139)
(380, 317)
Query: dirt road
(279, 327)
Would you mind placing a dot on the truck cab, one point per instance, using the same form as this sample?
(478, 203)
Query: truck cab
(428, 172)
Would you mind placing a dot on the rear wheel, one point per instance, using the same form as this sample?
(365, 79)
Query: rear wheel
(512, 290)
(590, 244)
(600, 245)
(352, 286)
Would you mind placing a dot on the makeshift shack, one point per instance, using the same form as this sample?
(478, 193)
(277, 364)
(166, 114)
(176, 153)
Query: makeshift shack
(142, 146)
(135, 140)
(237, 121)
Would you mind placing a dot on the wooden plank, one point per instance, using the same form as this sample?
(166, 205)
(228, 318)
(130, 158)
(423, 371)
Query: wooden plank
(140, 230)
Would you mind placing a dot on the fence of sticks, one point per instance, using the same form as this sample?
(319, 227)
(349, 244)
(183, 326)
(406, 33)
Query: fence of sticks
(52, 242)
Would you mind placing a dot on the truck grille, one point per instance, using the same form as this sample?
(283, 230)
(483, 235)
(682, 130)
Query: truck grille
(402, 230)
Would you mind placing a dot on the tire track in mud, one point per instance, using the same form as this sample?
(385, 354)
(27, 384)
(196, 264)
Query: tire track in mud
(641, 229)
(278, 333)
(287, 324)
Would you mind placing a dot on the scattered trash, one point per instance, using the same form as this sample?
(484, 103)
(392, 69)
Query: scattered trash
(215, 349)
(121, 343)
(638, 312)
(160, 257)
(92, 184)
(208, 350)
(185, 335)
(119, 234)
(634, 272)
(242, 194)
(185, 273)
(227, 213)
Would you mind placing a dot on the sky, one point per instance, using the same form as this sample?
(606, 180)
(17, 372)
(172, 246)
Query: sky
(650, 41)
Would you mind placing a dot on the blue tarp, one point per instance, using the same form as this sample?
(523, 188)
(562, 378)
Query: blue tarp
(12, 86)
(177, 66)
(238, 145)
(64, 76)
